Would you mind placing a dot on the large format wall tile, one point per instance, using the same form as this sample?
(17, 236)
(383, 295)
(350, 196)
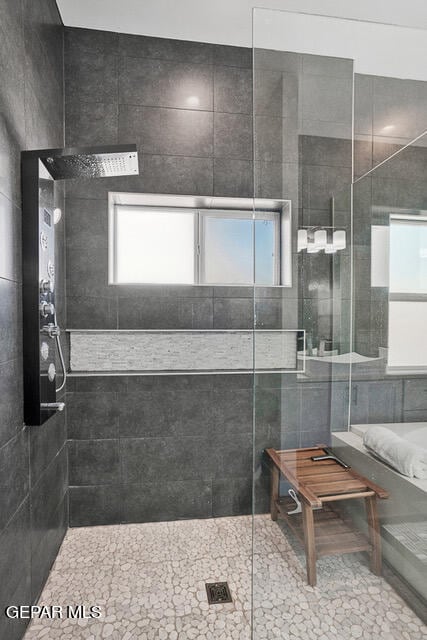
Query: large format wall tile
(93, 313)
(163, 49)
(91, 77)
(14, 479)
(15, 560)
(91, 123)
(166, 499)
(232, 56)
(41, 18)
(95, 505)
(45, 554)
(165, 313)
(10, 239)
(46, 495)
(231, 496)
(233, 90)
(10, 318)
(159, 83)
(401, 104)
(93, 414)
(93, 462)
(327, 101)
(233, 136)
(270, 87)
(31, 116)
(162, 131)
(78, 42)
(11, 399)
(9, 159)
(233, 313)
(146, 459)
(43, 73)
(327, 66)
(177, 174)
(269, 139)
(45, 442)
(233, 178)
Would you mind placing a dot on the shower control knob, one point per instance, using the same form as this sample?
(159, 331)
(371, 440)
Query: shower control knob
(51, 330)
(46, 286)
(51, 269)
(44, 350)
(51, 372)
(46, 309)
(44, 243)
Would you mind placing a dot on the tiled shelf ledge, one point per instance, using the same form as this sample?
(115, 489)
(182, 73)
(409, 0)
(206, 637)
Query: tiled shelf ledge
(183, 351)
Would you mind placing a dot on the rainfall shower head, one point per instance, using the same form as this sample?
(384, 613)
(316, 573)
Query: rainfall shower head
(39, 170)
(90, 162)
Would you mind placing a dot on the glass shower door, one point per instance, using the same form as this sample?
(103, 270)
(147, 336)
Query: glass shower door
(306, 70)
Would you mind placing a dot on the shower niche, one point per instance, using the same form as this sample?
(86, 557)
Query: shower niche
(44, 364)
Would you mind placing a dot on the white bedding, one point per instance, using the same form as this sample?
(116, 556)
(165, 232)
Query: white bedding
(407, 458)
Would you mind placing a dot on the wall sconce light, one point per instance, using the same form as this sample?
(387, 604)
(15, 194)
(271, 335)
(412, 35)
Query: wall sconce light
(302, 240)
(320, 239)
(339, 240)
(316, 239)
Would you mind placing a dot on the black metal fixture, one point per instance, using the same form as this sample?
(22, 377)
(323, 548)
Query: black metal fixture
(39, 170)
(218, 592)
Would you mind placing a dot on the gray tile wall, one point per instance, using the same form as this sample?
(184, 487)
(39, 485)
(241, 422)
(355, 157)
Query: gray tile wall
(188, 107)
(397, 184)
(135, 442)
(159, 447)
(123, 88)
(388, 114)
(33, 464)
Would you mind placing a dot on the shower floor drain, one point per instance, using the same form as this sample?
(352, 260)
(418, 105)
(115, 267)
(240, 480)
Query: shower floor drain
(218, 592)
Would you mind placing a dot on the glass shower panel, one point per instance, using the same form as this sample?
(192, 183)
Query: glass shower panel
(388, 400)
(305, 152)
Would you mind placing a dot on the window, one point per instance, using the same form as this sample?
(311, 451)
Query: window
(408, 256)
(171, 245)
(154, 246)
(408, 293)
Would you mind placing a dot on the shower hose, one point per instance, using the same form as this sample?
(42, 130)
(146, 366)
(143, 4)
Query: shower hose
(61, 357)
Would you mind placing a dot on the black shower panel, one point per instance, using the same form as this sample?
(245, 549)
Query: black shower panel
(40, 170)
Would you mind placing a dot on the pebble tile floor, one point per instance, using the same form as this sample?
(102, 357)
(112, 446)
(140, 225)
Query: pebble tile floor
(150, 580)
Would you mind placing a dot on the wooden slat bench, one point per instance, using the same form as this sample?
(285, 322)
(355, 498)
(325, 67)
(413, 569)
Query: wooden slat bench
(322, 529)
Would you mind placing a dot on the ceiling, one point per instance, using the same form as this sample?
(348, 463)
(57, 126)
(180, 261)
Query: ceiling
(223, 21)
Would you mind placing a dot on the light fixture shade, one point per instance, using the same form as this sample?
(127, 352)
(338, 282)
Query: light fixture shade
(330, 248)
(302, 240)
(339, 240)
(320, 239)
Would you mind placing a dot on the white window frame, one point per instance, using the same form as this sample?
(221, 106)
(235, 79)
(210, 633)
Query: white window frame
(199, 230)
(112, 240)
(405, 296)
(242, 215)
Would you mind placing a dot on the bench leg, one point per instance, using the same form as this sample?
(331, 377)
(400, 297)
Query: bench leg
(374, 534)
(274, 492)
(309, 543)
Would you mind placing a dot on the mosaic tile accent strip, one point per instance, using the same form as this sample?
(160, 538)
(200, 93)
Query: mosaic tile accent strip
(149, 580)
(182, 350)
(413, 536)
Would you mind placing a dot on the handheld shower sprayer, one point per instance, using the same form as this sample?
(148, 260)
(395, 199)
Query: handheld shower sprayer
(57, 337)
